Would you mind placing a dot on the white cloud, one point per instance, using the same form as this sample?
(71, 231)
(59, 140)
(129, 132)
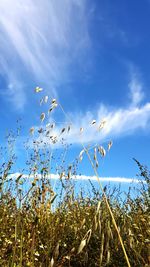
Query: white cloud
(81, 177)
(136, 89)
(41, 38)
(119, 122)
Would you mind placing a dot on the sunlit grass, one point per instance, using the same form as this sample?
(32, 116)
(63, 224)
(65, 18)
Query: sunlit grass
(38, 227)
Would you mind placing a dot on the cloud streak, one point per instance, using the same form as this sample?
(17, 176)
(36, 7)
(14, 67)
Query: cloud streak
(41, 39)
(136, 89)
(80, 178)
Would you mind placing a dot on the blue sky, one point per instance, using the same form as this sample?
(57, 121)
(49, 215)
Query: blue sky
(93, 57)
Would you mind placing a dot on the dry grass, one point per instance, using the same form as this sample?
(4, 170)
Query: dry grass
(79, 231)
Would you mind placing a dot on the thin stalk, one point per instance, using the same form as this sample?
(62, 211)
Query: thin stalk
(105, 197)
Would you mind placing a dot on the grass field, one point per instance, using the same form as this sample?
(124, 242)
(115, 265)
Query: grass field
(39, 227)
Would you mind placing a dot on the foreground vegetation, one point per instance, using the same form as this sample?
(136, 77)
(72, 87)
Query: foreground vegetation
(78, 232)
(42, 227)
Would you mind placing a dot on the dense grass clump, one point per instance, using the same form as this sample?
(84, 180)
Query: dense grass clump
(78, 232)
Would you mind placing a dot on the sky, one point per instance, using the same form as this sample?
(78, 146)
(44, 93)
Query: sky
(93, 58)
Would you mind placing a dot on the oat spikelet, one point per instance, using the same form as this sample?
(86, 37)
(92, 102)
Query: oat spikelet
(32, 130)
(46, 98)
(102, 124)
(41, 101)
(42, 117)
(40, 130)
(81, 155)
(63, 130)
(93, 122)
(53, 106)
(69, 128)
(110, 145)
(95, 157)
(48, 125)
(62, 174)
(97, 164)
(69, 175)
(81, 130)
(102, 151)
(52, 125)
(38, 89)
(53, 101)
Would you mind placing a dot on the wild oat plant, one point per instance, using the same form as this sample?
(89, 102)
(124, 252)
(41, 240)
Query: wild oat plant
(40, 226)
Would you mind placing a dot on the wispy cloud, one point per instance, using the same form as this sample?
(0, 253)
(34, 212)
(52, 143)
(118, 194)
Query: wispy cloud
(41, 38)
(136, 89)
(80, 178)
(120, 121)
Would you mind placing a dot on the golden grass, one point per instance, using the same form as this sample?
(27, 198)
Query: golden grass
(100, 230)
